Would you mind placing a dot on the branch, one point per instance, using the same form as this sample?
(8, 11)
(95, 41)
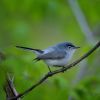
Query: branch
(10, 89)
(49, 74)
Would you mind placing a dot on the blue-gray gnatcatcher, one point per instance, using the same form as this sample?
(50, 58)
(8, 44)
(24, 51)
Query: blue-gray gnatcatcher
(57, 55)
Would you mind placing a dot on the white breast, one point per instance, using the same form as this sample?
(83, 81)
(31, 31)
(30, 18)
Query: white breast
(59, 62)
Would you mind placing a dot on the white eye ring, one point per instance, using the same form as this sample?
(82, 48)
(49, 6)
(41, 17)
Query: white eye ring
(69, 47)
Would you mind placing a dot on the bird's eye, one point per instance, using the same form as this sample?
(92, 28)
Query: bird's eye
(69, 47)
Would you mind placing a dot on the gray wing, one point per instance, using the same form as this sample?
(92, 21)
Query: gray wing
(52, 55)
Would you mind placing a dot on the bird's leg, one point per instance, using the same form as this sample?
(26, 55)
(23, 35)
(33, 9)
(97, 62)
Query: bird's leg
(63, 68)
(49, 69)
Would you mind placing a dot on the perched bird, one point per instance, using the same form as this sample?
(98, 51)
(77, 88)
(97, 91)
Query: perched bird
(57, 55)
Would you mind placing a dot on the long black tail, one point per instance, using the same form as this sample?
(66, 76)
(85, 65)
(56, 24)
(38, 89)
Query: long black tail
(26, 48)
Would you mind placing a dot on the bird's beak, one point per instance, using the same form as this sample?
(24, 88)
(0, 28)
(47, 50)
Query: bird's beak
(77, 47)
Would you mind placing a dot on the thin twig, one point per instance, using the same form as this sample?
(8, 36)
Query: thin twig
(57, 71)
(10, 88)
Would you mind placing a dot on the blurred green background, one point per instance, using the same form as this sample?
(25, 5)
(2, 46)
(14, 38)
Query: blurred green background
(42, 23)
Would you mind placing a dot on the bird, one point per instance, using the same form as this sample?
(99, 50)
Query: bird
(57, 55)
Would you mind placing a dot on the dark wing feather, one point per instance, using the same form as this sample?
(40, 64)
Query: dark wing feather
(26, 48)
(52, 55)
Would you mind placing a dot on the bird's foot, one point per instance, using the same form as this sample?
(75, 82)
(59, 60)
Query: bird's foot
(63, 67)
(49, 70)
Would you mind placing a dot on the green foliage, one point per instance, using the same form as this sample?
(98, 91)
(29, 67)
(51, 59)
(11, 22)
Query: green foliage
(39, 24)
